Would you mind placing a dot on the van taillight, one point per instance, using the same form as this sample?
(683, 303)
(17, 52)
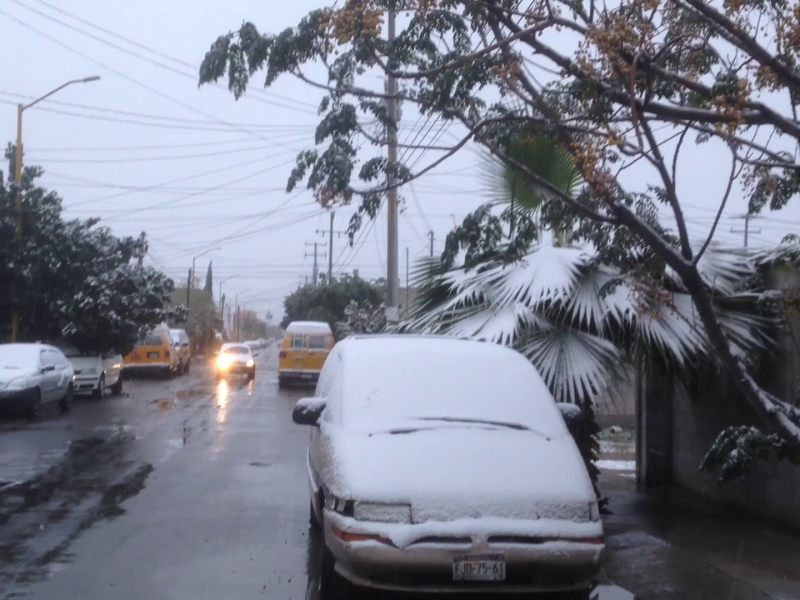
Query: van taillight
(282, 354)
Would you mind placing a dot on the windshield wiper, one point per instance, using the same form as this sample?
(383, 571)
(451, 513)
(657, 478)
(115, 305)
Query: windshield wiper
(516, 426)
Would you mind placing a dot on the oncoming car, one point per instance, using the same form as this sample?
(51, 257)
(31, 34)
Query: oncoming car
(236, 359)
(442, 465)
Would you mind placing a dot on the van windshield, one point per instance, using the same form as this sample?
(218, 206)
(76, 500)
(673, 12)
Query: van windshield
(154, 339)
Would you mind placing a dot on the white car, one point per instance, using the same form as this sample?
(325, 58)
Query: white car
(236, 359)
(438, 464)
(32, 375)
(95, 372)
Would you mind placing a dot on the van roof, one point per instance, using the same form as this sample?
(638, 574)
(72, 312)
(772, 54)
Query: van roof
(311, 327)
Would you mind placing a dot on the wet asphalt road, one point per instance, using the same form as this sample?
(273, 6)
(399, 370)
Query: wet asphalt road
(178, 490)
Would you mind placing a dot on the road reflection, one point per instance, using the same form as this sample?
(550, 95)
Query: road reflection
(314, 590)
(223, 395)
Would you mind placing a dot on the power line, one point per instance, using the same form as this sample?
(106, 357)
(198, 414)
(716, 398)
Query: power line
(127, 113)
(292, 102)
(145, 158)
(129, 78)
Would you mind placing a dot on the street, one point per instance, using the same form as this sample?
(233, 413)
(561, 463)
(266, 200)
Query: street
(180, 489)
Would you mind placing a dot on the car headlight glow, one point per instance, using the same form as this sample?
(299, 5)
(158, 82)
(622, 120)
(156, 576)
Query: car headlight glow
(382, 513)
(250, 363)
(224, 362)
(20, 383)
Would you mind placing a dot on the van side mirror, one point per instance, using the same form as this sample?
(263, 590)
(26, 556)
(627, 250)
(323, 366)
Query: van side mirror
(308, 411)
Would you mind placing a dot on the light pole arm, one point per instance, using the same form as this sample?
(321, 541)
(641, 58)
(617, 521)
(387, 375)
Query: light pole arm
(59, 88)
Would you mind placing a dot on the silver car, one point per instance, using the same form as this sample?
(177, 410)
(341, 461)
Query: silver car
(32, 375)
(437, 465)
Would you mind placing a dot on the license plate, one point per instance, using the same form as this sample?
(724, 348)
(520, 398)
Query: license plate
(152, 355)
(479, 567)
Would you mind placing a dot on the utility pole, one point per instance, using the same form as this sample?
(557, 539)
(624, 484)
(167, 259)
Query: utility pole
(431, 238)
(392, 275)
(188, 288)
(329, 232)
(18, 195)
(407, 290)
(315, 272)
(746, 230)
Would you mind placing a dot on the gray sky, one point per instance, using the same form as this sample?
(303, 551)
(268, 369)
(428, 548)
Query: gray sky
(233, 197)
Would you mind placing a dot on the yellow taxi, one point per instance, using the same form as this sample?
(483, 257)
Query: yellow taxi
(303, 350)
(153, 354)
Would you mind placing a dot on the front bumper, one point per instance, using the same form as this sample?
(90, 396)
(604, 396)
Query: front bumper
(84, 383)
(15, 401)
(236, 369)
(427, 564)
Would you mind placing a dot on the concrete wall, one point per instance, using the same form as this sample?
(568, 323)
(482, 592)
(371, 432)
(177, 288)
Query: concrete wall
(677, 427)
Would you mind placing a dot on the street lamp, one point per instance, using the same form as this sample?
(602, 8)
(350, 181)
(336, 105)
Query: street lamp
(221, 306)
(190, 283)
(18, 179)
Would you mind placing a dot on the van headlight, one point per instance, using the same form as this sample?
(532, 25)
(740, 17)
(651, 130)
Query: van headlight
(250, 363)
(223, 362)
(382, 513)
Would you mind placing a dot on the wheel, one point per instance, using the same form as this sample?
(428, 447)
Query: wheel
(34, 409)
(251, 375)
(332, 585)
(66, 402)
(312, 517)
(116, 389)
(282, 383)
(101, 388)
(168, 373)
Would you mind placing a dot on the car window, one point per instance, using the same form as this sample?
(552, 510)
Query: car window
(154, 339)
(236, 350)
(298, 341)
(316, 342)
(49, 358)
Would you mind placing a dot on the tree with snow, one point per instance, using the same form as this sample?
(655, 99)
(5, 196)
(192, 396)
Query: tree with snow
(73, 278)
(363, 318)
(622, 89)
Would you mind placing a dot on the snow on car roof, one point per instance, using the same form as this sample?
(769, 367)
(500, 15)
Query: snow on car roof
(397, 378)
(310, 327)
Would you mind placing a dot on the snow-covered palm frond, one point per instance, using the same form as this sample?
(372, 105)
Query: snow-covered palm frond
(724, 268)
(574, 364)
(563, 310)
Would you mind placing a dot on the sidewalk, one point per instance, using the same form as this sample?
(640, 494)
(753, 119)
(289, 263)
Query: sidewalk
(681, 547)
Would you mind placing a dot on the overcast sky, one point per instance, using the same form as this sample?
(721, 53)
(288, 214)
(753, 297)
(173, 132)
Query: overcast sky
(145, 149)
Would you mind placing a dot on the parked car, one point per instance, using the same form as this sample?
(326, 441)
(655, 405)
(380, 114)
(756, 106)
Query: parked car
(32, 375)
(183, 350)
(154, 354)
(95, 371)
(236, 359)
(304, 349)
(439, 464)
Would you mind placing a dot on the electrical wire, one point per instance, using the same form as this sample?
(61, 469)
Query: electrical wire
(292, 103)
(131, 79)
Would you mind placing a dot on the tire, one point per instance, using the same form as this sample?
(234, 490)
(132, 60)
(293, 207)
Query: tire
(332, 585)
(116, 389)
(34, 409)
(251, 375)
(66, 402)
(312, 517)
(168, 373)
(282, 383)
(101, 388)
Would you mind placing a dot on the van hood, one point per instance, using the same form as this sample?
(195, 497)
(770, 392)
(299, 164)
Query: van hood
(463, 472)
